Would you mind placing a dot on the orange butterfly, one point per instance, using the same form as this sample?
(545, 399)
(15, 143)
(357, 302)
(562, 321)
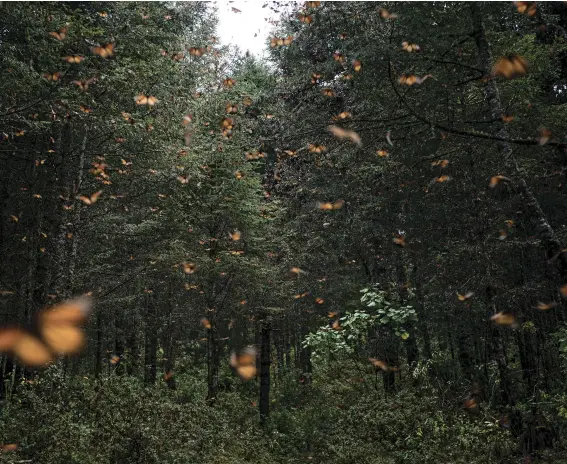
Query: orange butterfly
(145, 100)
(410, 48)
(440, 163)
(328, 92)
(281, 41)
(206, 323)
(92, 199)
(330, 206)
(189, 268)
(73, 58)
(465, 297)
(503, 318)
(244, 363)
(343, 36)
(545, 306)
(305, 18)
(84, 85)
(61, 34)
(379, 364)
(52, 77)
(357, 65)
(412, 79)
(337, 56)
(312, 4)
(104, 51)
(544, 136)
(507, 117)
(510, 66)
(341, 133)
(247, 101)
(231, 109)
(382, 153)
(194, 51)
(235, 236)
(229, 83)
(495, 180)
(385, 14)
(527, 8)
(336, 325)
(57, 333)
(400, 241)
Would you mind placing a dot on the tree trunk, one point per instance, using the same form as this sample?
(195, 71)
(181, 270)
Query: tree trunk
(265, 362)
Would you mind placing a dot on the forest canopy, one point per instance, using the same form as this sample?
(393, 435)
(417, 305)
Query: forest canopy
(351, 249)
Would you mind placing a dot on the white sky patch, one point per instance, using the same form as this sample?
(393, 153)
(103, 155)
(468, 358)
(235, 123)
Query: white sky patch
(248, 29)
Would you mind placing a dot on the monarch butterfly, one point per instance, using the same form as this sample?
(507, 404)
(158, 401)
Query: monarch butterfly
(281, 41)
(315, 78)
(343, 36)
(296, 271)
(346, 77)
(90, 200)
(231, 109)
(507, 117)
(331, 206)
(206, 323)
(114, 359)
(328, 92)
(247, 101)
(385, 14)
(73, 58)
(443, 178)
(56, 332)
(336, 325)
(357, 65)
(563, 291)
(527, 8)
(61, 34)
(440, 163)
(465, 297)
(235, 236)
(343, 115)
(194, 51)
(244, 363)
(503, 318)
(52, 77)
(411, 79)
(379, 364)
(510, 66)
(145, 100)
(341, 133)
(238, 174)
(410, 48)
(495, 180)
(189, 268)
(104, 51)
(317, 148)
(545, 306)
(400, 241)
(382, 153)
(544, 136)
(312, 4)
(177, 56)
(84, 85)
(337, 56)
(229, 82)
(319, 300)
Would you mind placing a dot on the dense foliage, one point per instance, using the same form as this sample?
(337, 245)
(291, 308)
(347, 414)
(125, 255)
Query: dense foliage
(377, 207)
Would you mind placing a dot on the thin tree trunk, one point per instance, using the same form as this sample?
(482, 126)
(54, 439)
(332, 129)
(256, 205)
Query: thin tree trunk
(265, 362)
